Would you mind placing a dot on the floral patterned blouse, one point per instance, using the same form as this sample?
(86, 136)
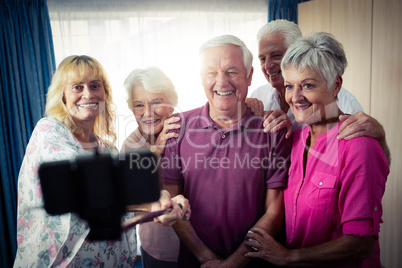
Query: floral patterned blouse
(59, 241)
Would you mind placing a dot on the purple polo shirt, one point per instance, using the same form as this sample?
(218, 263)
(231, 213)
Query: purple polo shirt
(225, 174)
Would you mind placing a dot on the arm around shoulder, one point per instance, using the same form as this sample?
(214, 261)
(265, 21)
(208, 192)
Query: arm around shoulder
(361, 124)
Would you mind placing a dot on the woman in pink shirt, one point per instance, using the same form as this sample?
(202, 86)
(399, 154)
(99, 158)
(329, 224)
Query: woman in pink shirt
(333, 201)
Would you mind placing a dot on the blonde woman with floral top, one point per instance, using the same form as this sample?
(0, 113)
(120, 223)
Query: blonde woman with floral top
(79, 118)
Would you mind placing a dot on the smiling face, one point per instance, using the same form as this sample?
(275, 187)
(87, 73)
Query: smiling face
(308, 96)
(150, 110)
(225, 80)
(271, 50)
(85, 99)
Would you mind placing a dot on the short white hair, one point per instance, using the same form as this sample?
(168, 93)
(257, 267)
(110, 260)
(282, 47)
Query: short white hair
(228, 40)
(288, 29)
(319, 51)
(153, 80)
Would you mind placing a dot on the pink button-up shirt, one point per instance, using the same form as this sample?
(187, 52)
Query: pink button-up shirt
(339, 195)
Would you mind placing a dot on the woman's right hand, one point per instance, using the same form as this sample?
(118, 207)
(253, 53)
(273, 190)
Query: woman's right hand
(164, 135)
(184, 204)
(264, 246)
(179, 209)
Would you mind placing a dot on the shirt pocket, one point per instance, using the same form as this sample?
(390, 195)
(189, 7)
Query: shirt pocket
(321, 191)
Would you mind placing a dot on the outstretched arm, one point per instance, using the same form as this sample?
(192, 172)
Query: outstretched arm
(177, 208)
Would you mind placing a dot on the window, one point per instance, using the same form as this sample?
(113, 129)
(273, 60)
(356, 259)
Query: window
(124, 35)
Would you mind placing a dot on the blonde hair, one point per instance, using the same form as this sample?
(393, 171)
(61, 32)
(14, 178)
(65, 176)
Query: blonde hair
(74, 69)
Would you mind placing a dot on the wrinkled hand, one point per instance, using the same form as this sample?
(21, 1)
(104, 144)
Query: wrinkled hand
(174, 213)
(360, 124)
(266, 246)
(164, 135)
(185, 206)
(256, 106)
(276, 120)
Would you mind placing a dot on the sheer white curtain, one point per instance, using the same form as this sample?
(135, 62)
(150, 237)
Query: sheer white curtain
(123, 35)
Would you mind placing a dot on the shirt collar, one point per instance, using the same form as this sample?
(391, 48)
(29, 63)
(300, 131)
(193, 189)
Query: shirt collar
(330, 133)
(205, 120)
(247, 121)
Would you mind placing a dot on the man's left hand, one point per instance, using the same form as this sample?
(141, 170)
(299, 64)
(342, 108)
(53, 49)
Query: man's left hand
(358, 125)
(361, 124)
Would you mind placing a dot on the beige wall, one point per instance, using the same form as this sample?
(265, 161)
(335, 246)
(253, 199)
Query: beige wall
(386, 97)
(370, 31)
(339, 18)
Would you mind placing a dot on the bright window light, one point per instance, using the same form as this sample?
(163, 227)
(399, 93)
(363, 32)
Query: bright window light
(125, 35)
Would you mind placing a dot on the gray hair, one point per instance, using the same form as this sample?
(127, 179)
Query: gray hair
(153, 80)
(227, 40)
(319, 51)
(288, 29)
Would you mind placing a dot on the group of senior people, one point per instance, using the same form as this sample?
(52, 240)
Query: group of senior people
(240, 174)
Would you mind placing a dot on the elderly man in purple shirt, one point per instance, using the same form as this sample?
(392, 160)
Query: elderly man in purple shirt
(230, 170)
